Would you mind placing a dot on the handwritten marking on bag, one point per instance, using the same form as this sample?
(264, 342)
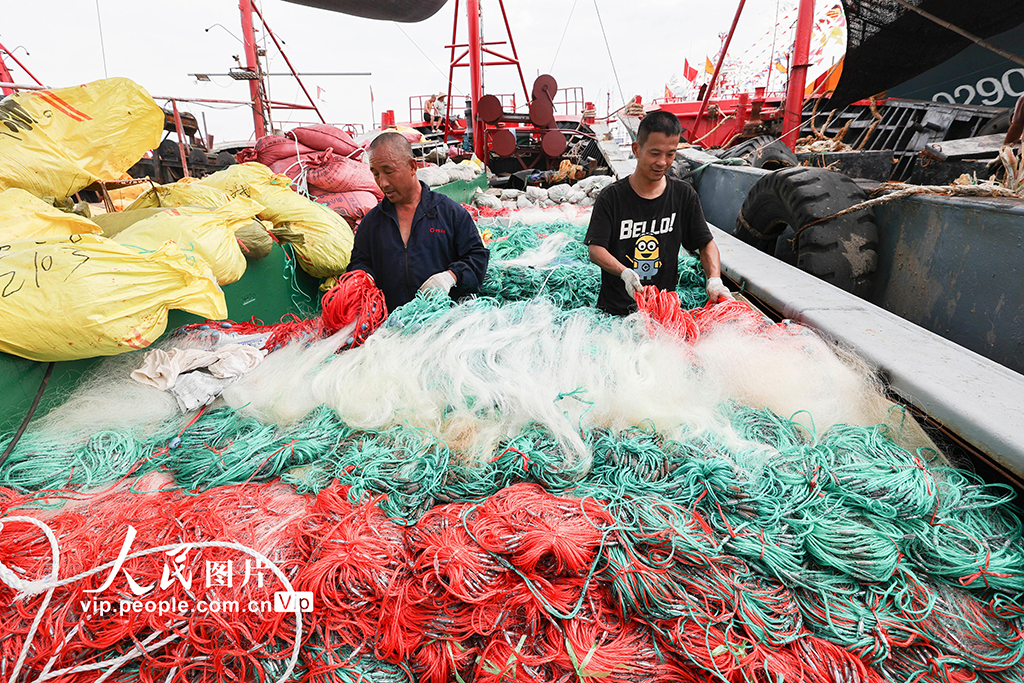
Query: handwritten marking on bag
(15, 117)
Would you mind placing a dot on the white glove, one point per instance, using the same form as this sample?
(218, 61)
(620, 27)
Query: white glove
(443, 281)
(632, 281)
(717, 291)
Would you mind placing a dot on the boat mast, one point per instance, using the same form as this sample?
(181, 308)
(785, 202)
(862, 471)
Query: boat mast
(252, 64)
(798, 74)
(476, 84)
(718, 67)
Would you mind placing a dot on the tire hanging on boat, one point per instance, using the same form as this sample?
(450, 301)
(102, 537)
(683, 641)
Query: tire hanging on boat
(842, 251)
(764, 151)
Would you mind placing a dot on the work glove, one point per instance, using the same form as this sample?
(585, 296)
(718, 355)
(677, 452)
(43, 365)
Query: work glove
(717, 291)
(443, 281)
(632, 281)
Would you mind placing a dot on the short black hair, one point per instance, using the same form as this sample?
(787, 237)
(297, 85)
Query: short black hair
(658, 122)
(394, 141)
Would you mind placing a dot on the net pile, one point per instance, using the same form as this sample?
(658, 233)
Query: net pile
(550, 260)
(506, 490)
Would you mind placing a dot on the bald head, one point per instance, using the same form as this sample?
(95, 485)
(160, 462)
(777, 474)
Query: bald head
(395, 144)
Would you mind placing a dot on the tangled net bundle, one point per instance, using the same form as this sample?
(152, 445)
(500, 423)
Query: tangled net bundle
(512, 488)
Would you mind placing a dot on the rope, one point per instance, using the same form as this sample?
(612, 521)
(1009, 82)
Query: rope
(901, 190)
(467, 540)
(608, 47)
(710, 132)
(28, 415)
(562, 39)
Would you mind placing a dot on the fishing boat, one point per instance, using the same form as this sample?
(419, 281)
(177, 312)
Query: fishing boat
(520, 487)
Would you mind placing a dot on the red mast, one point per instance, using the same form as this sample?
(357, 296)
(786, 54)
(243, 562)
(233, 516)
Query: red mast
(798, 74)
(476, 81)
(718, 67)
(252, 64)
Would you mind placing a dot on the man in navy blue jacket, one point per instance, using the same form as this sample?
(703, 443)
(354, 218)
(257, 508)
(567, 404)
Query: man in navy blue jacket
(415, 238)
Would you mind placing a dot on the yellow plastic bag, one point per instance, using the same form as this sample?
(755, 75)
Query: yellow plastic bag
(185, 192)
(208, 234)
(122, 197)
(56, 142)
(326, 245)
(23, 216)
(84, 295)
(119, 221)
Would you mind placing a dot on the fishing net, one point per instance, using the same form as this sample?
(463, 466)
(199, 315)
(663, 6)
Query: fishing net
(550, 260)
(516, 487)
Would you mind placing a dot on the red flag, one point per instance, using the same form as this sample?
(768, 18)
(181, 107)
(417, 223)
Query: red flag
(689, 73)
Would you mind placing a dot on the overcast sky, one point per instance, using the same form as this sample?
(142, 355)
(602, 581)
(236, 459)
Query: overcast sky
(158, 44)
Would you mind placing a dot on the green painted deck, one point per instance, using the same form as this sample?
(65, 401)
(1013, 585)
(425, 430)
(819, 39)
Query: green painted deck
(270, 288)
(463, 190)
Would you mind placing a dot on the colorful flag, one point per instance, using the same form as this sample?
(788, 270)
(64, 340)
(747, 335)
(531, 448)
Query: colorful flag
(668, 93)
(709, 67)
(689, 73)
(826, 83)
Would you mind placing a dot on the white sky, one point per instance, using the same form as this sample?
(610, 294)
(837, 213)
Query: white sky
(158, 44)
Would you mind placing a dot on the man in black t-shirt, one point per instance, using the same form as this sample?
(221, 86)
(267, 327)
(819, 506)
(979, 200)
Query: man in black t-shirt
(640, 222)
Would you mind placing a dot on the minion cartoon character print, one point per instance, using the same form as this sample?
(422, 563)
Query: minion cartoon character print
(646, 259)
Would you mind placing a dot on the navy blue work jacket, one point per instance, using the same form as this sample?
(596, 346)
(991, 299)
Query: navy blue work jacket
(443, 237)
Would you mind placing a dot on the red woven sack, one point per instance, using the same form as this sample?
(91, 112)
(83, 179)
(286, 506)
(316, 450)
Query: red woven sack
(291, 167)
(351, 206)
(322, 136)
(246, 155)
(342, 175)
(276, 147)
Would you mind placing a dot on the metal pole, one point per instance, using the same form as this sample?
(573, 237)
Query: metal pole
(798, 75)
(515, 55)
(718, 68)
(5, 77)
(451, 75)
(251, 63)
(289, 63)
(23, 86)
(15, 60)
(181, 138)
(476, 77)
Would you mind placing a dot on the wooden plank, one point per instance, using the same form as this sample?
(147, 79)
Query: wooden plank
(618, 161)
(965, 147)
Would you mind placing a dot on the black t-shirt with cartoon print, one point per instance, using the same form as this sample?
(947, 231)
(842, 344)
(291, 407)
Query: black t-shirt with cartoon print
(645, 235)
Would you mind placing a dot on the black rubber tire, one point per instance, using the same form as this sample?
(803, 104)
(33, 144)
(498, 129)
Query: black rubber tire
(680, 170)
(785, 247)
(773, 156)
(764, 151)
(842, 251)
(999, 124)
(742, 149)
